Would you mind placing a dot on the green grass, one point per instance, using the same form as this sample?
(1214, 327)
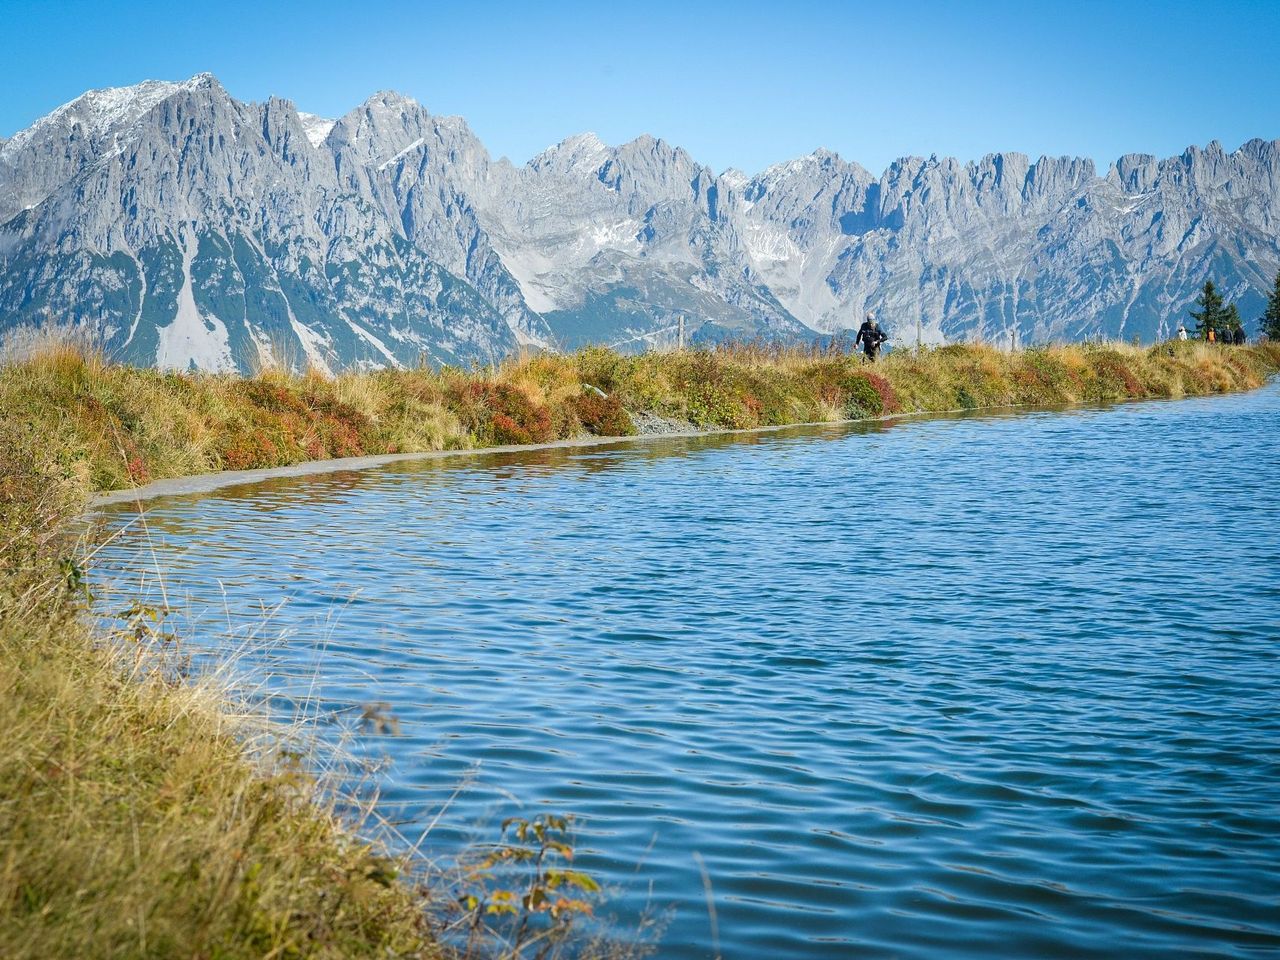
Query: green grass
(141, 817)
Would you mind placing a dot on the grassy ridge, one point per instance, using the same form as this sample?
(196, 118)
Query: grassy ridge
(119, 426)
(135, 821)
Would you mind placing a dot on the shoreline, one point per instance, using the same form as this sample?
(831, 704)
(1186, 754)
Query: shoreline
(221, 479)
(217, 480)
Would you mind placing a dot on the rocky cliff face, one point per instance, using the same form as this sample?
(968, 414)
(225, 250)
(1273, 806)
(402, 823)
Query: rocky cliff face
(189, 229)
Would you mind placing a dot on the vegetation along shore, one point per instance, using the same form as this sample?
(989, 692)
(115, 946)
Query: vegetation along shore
(143, 817)
(111, 426)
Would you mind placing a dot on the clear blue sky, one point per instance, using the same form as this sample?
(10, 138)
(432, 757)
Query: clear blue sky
(738, 84)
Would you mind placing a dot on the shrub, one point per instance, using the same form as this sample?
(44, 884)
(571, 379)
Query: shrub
(601, 367)
(1111, 377)
(247, 450)
(602, 416)
(711, 405)
(861, 398)
(1041, 377)
(269, 395)
(870, 394)
(500, 413)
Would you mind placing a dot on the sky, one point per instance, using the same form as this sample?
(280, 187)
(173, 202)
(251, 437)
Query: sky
(737, 84)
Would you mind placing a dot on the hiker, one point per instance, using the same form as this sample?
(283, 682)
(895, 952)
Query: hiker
(870, 336)
(1239, 338)
(1182, 332)
(1211, 336)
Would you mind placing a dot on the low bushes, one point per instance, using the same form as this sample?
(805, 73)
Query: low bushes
(870, 394)
(500, 413)
(603, 416)
(119, 426)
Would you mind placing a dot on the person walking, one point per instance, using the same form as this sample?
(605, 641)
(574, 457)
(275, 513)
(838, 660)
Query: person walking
(1182, 332)
(870, 336)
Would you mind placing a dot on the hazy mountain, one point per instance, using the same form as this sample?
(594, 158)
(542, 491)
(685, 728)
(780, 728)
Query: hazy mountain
(188, 228)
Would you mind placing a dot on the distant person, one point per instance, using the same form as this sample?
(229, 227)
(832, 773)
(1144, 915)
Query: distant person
(1211, 336)
(1182, 333)
(870, 336)
(1239, 338)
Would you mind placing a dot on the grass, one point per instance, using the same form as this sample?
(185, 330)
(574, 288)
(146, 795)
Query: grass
(141, 816)
(115, 426)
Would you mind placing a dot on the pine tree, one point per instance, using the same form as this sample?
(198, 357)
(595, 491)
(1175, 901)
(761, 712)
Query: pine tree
(1270, 320)
(1211, 315)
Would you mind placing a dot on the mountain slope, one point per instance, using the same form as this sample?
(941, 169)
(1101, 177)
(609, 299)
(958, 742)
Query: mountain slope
(186, 228)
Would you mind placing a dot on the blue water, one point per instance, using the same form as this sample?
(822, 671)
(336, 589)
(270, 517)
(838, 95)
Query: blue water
(992, 686)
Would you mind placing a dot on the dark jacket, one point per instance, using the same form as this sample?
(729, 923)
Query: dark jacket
(870, 337)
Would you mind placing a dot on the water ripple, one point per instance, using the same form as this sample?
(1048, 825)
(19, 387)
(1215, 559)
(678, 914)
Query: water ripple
(965, 687)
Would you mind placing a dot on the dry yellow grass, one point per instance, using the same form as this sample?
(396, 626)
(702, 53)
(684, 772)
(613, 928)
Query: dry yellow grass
(134, 821)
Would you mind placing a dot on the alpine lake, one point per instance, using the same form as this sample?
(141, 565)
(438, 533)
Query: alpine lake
(1004, 684)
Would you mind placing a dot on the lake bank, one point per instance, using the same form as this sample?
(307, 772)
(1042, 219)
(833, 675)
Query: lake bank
(192, 843)
(120, 427)
(145, 815)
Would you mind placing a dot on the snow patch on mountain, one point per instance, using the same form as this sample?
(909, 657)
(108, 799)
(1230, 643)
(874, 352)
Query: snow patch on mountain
(403, 153)
(767, 242)
(528, 268)
(98, 112)
(374, 342)
(316, 128)
(313, 344)
(193, 341)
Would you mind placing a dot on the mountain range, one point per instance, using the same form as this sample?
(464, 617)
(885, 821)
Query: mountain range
(186, 229)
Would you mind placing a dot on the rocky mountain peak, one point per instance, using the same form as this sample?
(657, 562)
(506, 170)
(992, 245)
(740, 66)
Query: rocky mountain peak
(187, 227)
(581, 152)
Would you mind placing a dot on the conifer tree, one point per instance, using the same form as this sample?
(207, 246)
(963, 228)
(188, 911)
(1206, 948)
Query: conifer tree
(1270, 319)
(1211, 315)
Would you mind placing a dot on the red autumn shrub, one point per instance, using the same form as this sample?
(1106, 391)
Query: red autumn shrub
(506, 430)
(603, 416)
(888, 397)
(1112, 377)
(501, 413)
(137, 470)
(272, 396)
(869, 394)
